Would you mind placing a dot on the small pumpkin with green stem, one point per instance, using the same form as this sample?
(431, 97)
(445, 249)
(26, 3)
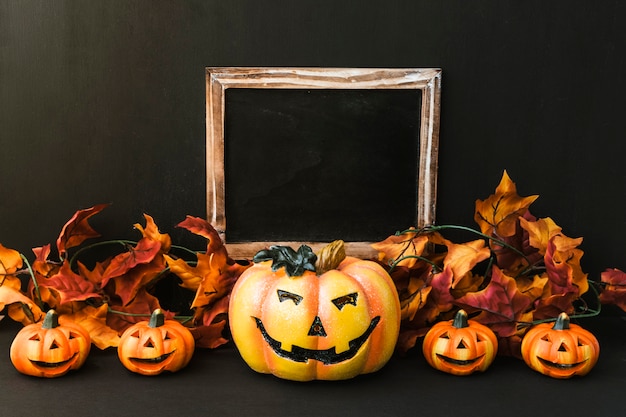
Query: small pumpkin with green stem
(560, 350)
(157, 345)
(302, 317)
(48, 349)
(460, 346)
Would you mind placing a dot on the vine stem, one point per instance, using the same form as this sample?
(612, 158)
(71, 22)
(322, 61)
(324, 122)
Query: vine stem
(182, 319)
(35, 284)
(122, 242)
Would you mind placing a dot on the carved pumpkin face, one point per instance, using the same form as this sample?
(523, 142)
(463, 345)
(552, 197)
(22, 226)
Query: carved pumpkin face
(151, 347)
(305, 326)
(460, 346)
(48, 349)
(561, 350)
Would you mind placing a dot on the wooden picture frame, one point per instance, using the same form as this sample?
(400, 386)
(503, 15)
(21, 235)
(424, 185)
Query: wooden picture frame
(424, 82)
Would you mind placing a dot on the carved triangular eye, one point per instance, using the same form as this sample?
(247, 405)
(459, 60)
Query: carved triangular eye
(445, 336)
(135, 334)
(35, 338)
(286, 295)
(546, 338)
(461, 345)
(581, 343)
(167, 336)
(72, 335)
(54, 345)
(149, 343)
(340, 302)
(562, 348)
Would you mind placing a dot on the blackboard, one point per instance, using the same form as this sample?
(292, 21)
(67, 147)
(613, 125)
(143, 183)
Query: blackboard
(313, 155)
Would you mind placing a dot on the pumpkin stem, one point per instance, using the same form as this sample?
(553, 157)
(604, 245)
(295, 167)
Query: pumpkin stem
(51, 320)
(460, 320)
(295, 263)
(330, 256)
(562, 322)
(157, 318)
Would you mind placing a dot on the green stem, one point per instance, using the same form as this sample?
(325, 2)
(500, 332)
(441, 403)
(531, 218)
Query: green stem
(122, 242)
(37, 300)
(182, 319)
(394, 263)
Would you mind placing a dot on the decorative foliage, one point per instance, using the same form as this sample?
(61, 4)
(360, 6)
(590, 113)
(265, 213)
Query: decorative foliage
(119, 291)
(521, 271)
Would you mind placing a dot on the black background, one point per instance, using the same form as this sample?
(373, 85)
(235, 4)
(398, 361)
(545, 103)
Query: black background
(104, 102)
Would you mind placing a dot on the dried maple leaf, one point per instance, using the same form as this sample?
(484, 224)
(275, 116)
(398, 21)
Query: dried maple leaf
(151, 232)
(142, 253)
(498, 215)
(93, 319)
(69, 285)
(614, 291)
(78, 229)
(213, 321)
(10, 262)
(562, 260)
(540, 232)
(500, 302)
(121, 316)
(407, 245)
(461, 258)
(203, 228)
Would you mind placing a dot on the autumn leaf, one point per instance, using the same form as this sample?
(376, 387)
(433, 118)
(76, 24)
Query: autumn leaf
(540, 232)
(93, 319)
(69, 285)
(405, 245)
(461, 258)
(213, 321)
(121, 316)
(151, 232)
(498, 215)
(614, 291)
(500, 302)
(42, 264)
(551, 306)
(562, 260)
(142, 253)
(10, 262)
(78, 229)
(203, 228)
(218, 278)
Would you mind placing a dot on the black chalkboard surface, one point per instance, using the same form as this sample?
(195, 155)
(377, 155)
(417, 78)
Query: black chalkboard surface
(312, 155)
(342, 165)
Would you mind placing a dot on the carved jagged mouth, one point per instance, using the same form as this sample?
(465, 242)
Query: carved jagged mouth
(42, 364)
(564, 366)
(327, 356)
(158, 359)
(459, 362)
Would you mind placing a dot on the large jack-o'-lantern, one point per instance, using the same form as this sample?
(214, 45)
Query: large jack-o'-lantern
(460, 346)
(562, 350)
(49, 349)
(301, 320)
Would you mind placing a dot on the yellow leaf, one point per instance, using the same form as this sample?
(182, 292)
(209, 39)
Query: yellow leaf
(540, 232)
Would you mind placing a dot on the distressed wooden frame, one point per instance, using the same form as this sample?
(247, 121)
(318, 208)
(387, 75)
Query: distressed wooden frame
(219, 79)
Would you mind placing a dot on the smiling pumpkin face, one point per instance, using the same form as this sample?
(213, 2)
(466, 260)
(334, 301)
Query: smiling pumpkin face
(336, 325)
(460, 346)
(151, 347)
(560, 350)
(48, 349)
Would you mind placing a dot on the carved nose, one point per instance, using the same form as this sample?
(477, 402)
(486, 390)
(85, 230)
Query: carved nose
(317, 329)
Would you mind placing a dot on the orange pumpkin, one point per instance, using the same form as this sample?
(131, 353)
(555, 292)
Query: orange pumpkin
(561, 350)
(460, 346)
(151, 347)
(49, 349)
(301, 320)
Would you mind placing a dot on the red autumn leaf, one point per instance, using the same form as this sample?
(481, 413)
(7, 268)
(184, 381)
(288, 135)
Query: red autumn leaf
(551, 306)
(562, 260)
(614, 291)
(213, 321)
(203, 228)
(121, 316)
(69, 285)
(498, 215)
(441, 284)
(127, 285)
(500, 302)
(77, 229)
(144, 252)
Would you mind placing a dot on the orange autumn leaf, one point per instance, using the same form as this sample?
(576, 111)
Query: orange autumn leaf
(151, 231)
(462, 257)
(498, 214)
(42, 265)
(218, 278)
(203, 228)
(142, 253)
(209, 334)
(93, 319)
(405, 245)
(78, 229)
(540, 232)
(10, 262)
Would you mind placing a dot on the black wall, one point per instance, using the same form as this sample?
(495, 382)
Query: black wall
(103, 102)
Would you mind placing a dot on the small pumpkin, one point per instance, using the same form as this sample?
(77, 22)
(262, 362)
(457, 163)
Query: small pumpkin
(49, 349)
(151, 347)
(302, 318)
(560, 350)
(460, 346)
